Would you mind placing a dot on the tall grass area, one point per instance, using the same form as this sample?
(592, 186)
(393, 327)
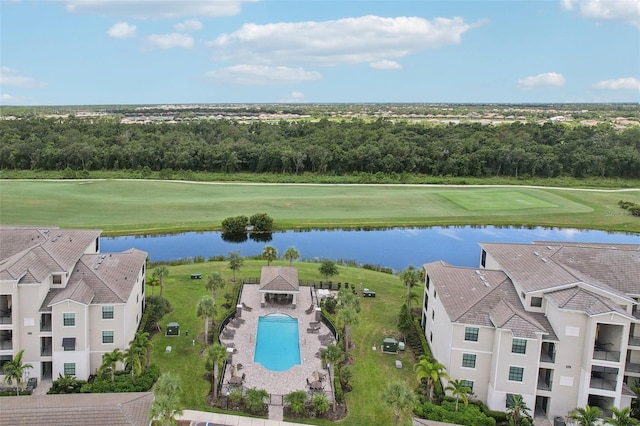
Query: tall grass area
(371, 369)
(121, 207)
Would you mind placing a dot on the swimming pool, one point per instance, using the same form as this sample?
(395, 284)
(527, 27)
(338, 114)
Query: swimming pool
(277, 347)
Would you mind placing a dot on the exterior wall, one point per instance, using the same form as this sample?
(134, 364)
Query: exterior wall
(482, 349)
(503, 360)
(81, 330)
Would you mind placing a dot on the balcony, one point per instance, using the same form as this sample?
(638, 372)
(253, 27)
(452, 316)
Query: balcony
(548, 352)
(634, 341)
(45, 322)
(632, 367)
(545, 379)
(5, 309)
(6, 340)
(46, 346)
(604, 378)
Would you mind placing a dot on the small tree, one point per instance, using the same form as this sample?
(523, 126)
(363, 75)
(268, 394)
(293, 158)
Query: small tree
(269, 253)
(346, 317)
(215, 357)
(296, 401)
(518, 412)
(161, 272)
(291, 254)
(235, 262)
(431, 371)
(320, 403)
(166, 404)
(410, 278)
(405, 322)
(621, 417)
(206, 308)
(14, 370)
(133, 358)
(255, 399)
(332, 355)
(109, 362)
(142, 341)
(214, 282)
(587, 416)
(460, 391)
(400, 397)
(235, 225)
(328, 269)
(261, 222)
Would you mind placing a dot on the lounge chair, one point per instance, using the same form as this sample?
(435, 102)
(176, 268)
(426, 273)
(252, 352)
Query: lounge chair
(313, 330)
(246, 307)
(310, 309)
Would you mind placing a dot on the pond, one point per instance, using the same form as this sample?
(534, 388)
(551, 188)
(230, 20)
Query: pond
(394, 248)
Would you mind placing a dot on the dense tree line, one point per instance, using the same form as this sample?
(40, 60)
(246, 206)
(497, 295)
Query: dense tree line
(324, 146)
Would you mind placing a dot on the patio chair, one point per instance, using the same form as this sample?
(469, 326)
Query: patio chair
(313, 330)
(246, 307)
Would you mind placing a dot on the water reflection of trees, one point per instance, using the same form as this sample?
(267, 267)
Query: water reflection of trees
(241, 237)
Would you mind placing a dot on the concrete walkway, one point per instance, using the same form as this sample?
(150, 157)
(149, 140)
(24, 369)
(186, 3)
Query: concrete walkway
(202, 418)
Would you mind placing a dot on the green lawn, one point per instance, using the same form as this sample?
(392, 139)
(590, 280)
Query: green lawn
(136, 206)
(371, 369)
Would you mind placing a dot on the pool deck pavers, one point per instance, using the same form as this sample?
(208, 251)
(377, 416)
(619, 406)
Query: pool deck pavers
(276, 382)
(202, 418)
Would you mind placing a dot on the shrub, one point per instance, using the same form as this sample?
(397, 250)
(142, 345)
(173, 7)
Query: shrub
(261, 222)
(296, 401)
(330, 304)
(155, 308)
(66, 384)
(123, 382)
(320, 403)
(338, 389)
(235, 225)
(470, 415)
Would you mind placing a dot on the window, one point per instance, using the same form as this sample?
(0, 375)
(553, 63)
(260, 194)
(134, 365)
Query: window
(433, 315)
(536, 302)
(70, 368)
(69, 319)
(143, 284)
(57, 279)
(107, 312)
(428, 281)
(471, 334)
(426, 302)
(69, 343)
(516, 373)
(434, 293)
(467, 383)
(107, 336)
(469, 360)
(519, 346)
(431, 337)
(483, 260)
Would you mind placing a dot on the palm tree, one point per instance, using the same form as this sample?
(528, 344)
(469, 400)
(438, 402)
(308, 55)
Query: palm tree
(214, 282)
(206, 308)
(166, 403)
(142, 341)
(517, 411)
(296, 401)
(269, 253)
(331, 355)
(621, 417)
(587, 416)
(410, 278)
(15, 370)
(346, 317)
(460, 391)
(133, 358)
(235, 262)
(214, 357)
(400, 397)
(161, 272)
(153, 281)
(432, 371)
(291, 254)
(109, 362)
(255, 398)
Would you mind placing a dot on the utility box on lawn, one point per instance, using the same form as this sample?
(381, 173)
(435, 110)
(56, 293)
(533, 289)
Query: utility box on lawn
(173, 329)
(390, 346)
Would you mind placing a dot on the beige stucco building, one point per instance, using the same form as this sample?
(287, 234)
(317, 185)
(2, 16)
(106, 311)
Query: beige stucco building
(555, 322)
(63, 302)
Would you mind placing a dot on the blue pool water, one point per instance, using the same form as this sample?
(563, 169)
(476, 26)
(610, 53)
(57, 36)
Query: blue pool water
(277, 347)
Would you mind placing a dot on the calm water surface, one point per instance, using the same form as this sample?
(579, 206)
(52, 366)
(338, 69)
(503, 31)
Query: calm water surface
(395, 248)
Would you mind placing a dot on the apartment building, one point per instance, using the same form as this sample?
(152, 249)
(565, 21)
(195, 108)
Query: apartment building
(555, 322)
(63, 302)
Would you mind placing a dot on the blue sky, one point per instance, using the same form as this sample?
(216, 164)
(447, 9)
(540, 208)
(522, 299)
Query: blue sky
(79, 52)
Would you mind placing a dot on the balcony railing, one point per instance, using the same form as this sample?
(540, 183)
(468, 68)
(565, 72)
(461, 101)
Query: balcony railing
(598, 383)
(46, 326)
(6, 345)
(45, 350)
(606, 355)
(632, 367)
(544, 385)
(546, 357)
(5, 318)
(634, 341)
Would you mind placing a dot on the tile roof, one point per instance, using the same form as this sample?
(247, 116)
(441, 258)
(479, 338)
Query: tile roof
(579, 299)
(279, 279)
(114, 409)
(105, 278)
(548, 265)
(485, 298)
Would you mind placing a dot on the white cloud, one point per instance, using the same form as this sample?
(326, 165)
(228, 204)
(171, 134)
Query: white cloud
(627, 11)
(7, 99)
(11, 77)
(294, 97)
(627, 83)
(122, 30)
(189, 25)
(168, 41)
(385, 65)
(548, 79)
(262, 75)
(144, 9)
(344, 41)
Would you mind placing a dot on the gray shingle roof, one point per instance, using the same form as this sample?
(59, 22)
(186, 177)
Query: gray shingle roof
(279, 279)
(578, 299)
(490, 302)
(114, 409)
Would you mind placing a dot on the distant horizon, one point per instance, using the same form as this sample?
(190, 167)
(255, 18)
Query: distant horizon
(154, 52)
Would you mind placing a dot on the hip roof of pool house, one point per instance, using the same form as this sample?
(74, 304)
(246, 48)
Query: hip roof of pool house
(279, 279)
